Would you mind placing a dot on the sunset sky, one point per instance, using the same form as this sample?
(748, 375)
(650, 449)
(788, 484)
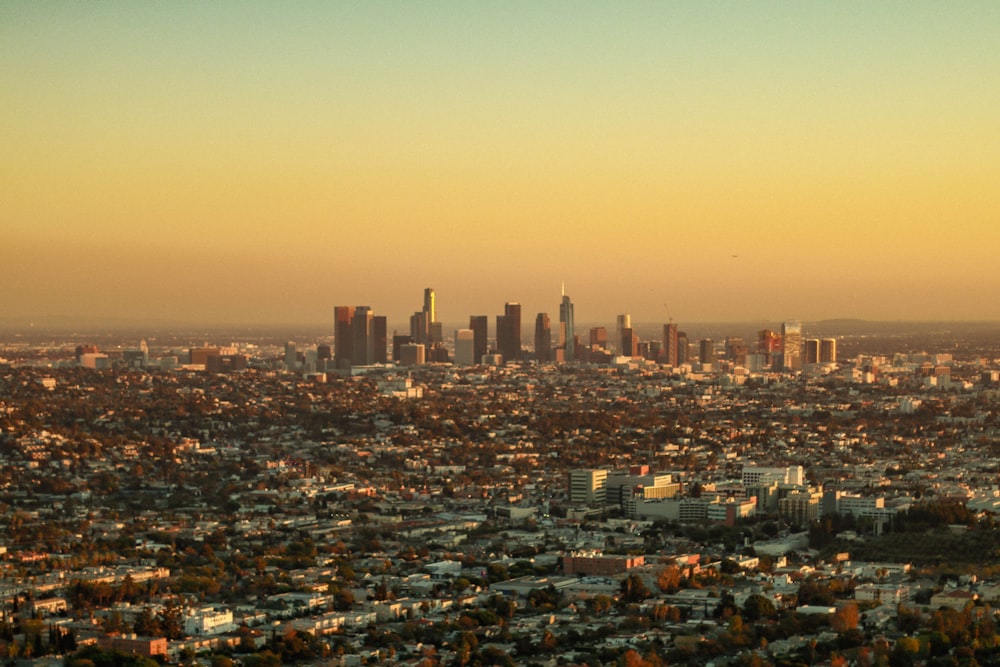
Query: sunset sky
(261, 162)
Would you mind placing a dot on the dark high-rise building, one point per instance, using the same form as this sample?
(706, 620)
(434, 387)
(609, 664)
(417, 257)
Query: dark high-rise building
(670, 354)
(567, 331)
(810, 351)
(683, 348)
(419, 327)
(769, 344)
(736, 350)
(828, 351)
(435, 333)
(363, 339)
(398, 341)
(706, 351)
(343, 342)
(509, 332)
(380, 342)
(324, 352)
(599, 338)
(622, 323)
(503, 334)
(629, 342)
(480, 336)
(543, 337)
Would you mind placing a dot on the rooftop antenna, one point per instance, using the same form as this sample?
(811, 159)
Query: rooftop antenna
(563, 288)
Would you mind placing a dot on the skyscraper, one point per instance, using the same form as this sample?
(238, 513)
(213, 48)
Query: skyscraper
(543, 337)
(736, 350)
(362, 333)
(810, 351)
(465, 348)
(509, 332)
(769, 345)
(343, 342)
(670, 354)
(598, 337)
(480, 334)
(398, 341)
(629, 343)
(430, 305)
(622, 323)
(828, 351)
(433, 327)
(380, 340)
(567, 333)
(791, 339)
(706, 351)
(418, 327)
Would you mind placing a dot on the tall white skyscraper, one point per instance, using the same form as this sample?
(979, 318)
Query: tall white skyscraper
(465, 347)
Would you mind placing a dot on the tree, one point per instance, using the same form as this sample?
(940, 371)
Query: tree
(146, 624)
(466, 646)
(634, 589)
(669, 579)
(757, 607)
(845, 618)
(171, 623)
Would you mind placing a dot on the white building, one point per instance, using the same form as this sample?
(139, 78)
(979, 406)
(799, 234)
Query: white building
(754, 476)
(208, 621)
(587, 487)
(465, 351)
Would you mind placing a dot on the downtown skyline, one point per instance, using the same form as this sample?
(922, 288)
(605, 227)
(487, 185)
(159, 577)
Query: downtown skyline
(243, 163)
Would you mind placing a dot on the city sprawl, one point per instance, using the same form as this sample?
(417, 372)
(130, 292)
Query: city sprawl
(780, 498)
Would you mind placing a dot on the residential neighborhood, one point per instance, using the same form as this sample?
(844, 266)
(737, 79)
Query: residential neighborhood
(520, 514)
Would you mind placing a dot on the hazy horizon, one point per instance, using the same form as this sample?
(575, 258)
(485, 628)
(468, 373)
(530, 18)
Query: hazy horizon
(231, 163)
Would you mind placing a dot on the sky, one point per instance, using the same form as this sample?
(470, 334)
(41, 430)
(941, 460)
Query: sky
(260, 162)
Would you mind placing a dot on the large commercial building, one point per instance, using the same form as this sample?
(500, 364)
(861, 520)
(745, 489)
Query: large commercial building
(800, 507)
(598, 338)
(629, 343)
(480, 336)
(639, 483)
(412, 354)
(588, 487)
(360, 338)
(567, 333)
(593, 563)
(791, 340)
(363, 334)
(669, 348)
(828, 351)
(754, 476)
(622, 322)
(683, 352)
(706, 351)
(543, 337)
(380, 340)
(343, 341)
(810, 351)
(430, 305)
(509, 332)
(465, 348)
